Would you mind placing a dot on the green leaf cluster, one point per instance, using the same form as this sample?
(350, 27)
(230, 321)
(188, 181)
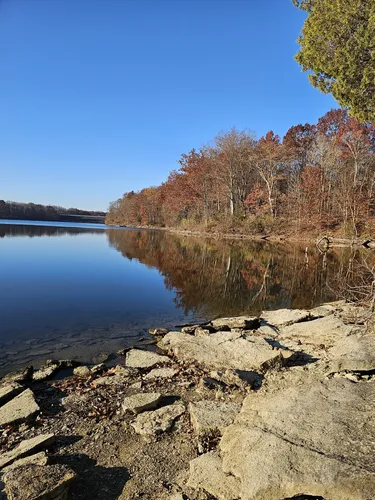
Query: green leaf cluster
(338, 48)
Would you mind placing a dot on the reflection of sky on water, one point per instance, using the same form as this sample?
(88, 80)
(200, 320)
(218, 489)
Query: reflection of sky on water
(54, 282)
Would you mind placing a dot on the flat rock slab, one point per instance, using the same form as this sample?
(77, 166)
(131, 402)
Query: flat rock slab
(354, 353)
(46, 372)
(37, 459)
(39, 482)
(8, 392)
(22, 407)
(321, 331)
(317, 439)
(160, 373)
(226, 350)
(245, 322)
(137, 358)
(212, 417)
(141, 402)
(153, 423)
(285, 317)
(206, 473)
(26, 447)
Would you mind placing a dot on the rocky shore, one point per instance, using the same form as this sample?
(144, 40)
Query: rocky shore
(274, 407)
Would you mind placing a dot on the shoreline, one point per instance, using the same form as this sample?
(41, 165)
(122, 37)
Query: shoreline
(326, 241)
(173, 423)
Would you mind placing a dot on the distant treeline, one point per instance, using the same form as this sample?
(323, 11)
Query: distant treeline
(319, 178)
(32, 211)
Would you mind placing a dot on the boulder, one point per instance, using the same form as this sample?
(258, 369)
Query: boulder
(158, 332)
(152, 423)
(100, 358)
(237, 378)
(316, 439)
(160, 373)
(82, 371)
(22, 407)
(206, 473)
(141, 402)
(212, 417)
(354, 353)
(137, 358)
(226, 350)
(27, 447)
(244, 322)
(285, 317)
(8, 391)
(38, 482)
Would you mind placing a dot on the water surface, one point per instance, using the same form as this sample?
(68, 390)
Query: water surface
(74, 291)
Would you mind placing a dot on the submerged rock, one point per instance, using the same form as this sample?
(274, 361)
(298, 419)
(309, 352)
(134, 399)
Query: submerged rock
(141, 402)
(136, 358)
(38, 482)
(22, 407)
(152, 423)
(26, 447)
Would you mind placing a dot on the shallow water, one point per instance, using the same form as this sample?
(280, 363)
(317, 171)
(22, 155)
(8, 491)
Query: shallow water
(77, 290)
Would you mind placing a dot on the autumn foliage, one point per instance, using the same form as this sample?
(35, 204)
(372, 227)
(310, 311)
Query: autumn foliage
(318, 178)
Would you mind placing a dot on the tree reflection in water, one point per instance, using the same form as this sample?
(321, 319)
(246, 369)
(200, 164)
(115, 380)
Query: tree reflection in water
(227, 277)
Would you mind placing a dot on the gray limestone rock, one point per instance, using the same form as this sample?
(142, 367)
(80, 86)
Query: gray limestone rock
(245, 322)
(141, 402)
(160, 373)
(226, 350)
(206, 473)
(26, 447)
(137, 358)
(82, 371)
(22, 407)
(37, 459)
(321, 331)
(9, 391)
(353, 353)
(285, 317)
(317, 439)
(39, 482)
(212, 417)
(153, 423)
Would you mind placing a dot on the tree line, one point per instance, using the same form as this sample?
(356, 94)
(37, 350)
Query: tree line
(32, 211)
(317, 178)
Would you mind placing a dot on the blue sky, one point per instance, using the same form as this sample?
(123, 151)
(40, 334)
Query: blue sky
(99, 97)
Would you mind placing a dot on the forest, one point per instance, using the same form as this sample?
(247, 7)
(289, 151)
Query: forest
(317, 179)
(32, 211)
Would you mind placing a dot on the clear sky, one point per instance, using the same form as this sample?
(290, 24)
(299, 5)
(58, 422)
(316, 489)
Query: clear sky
(99, 97)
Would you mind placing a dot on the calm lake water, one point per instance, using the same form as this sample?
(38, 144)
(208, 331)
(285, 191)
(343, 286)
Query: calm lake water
(75, 291)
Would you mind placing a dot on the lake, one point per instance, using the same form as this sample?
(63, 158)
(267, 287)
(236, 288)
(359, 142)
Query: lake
(78, 290)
